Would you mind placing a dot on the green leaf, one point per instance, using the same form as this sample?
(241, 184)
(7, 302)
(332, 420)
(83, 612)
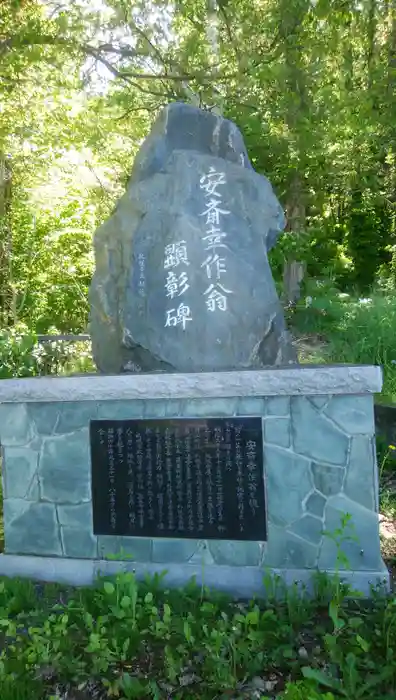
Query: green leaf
(315, 674)
(375, 681)
(187, 631)
(109, 587)
(333, 612)
(252, 617)
(362, 643)
(132, 687)
(355, 622)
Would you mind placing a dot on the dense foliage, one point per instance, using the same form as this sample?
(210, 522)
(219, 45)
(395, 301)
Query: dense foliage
(125, 640)
(311, 85)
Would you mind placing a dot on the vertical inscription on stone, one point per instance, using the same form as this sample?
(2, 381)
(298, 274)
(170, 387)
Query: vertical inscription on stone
(112, 489)
(219, 480)
(142, 274)
(198, 479)
(140, 479)
(179, 482)
(149, 475)
(239, 478)
(160, 480)
(130, 463)
(191, 526)
(179, 478)
(251, 453)
(169, 480)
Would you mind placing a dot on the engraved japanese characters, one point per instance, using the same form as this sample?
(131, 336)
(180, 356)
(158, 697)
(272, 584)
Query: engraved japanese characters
(214, 265)
(187, 478)
(182, 280)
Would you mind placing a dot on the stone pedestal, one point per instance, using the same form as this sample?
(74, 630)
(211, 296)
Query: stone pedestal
(319, 464)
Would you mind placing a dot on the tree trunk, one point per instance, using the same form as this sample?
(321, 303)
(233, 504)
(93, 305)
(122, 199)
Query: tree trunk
(291, 33)
(7, 296)
(294, 270)
(371, 30)
(213, 39)
(391, 85)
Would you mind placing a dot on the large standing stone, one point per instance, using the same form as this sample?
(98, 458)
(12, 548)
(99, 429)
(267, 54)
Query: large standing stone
(182, 280)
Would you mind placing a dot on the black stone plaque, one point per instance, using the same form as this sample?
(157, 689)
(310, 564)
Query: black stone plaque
(187, 478)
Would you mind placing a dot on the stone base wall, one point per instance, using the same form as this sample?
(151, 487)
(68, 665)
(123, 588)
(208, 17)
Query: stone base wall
(319, 463)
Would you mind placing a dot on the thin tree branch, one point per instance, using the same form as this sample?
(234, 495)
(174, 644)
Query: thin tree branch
(154, 48)
(131, 111)
(223, 12)
(13, 43)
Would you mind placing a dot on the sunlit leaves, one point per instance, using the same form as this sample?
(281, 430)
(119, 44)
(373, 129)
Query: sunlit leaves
(310, 84)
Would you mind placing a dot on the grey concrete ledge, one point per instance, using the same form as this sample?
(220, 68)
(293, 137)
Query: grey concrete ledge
(301, 380)
(241, 582)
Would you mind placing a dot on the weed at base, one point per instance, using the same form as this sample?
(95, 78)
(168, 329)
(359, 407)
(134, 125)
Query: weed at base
(126, 639)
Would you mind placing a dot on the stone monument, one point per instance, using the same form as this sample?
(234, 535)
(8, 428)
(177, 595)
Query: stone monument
(182, 280)
(185, 461)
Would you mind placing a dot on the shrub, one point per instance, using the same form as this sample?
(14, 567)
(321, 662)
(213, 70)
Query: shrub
(18, 353)
(357, 330)
(21, 355)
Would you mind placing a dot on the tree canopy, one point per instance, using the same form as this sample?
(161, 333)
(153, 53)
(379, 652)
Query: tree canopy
(311, 84)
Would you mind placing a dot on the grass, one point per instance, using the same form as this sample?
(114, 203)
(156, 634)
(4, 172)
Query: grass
(129, 640)
(387, 493)
(349, 330)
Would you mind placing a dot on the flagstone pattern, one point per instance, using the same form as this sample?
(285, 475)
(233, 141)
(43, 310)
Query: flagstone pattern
(319, 464)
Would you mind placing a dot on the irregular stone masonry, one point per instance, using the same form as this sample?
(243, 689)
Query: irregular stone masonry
(319, 464)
